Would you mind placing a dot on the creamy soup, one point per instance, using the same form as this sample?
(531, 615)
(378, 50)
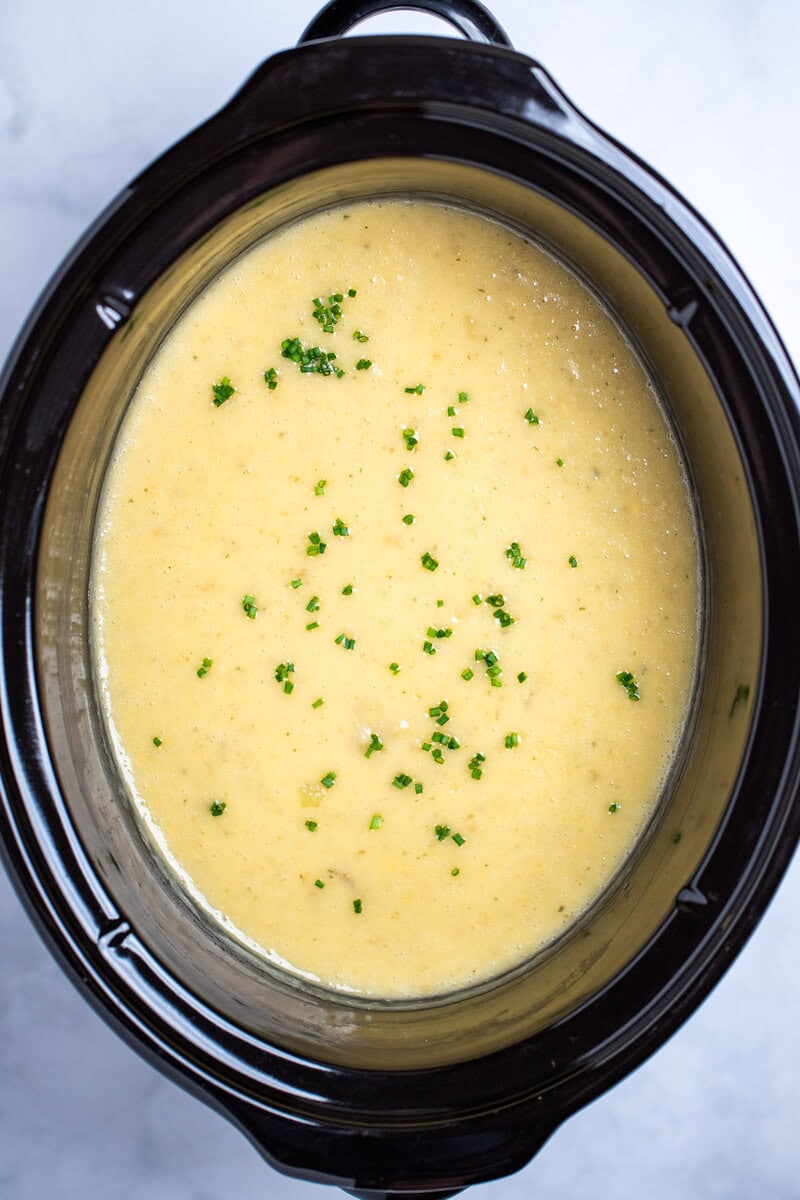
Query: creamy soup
(395, 598)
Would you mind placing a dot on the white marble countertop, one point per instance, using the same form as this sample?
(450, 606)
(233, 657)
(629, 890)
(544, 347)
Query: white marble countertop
(708, 92)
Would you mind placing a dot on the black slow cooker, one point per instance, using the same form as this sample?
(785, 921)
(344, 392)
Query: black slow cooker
(401, 1098)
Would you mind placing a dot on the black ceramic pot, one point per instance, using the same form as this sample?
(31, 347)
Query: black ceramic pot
(393, 1098)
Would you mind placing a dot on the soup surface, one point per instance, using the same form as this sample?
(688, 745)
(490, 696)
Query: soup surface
(395, 647)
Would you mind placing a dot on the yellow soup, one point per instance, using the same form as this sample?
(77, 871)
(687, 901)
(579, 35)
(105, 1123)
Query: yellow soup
(396, 598)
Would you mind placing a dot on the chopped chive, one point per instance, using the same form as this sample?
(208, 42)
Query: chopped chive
(311, 360)
(428, 647)
(312, 625)
(467, 674)
(523, 675)
(311, 826)
(282, 673)
(476, 599)
(531, 417)
(741, 696)
(515, 554)
(457, 431)
(375, 743)
(418, 390)
(204, 667)
(347, 590)
(455, 871)
(405, 477)
(394, 668)
(449, 456)
(408, 519)
(410, 438)
(451, 412)
(328, 780)
(271, 378)
(217, 808)
(429, 562)
(315, 545)
(357, 907)
(375, 823)
(441, 832)
(401, 781)
(347, 643)
(626, 679)
(463, 397)
(559, 462)
(319, 884)
(475, 765)
(511, 740)
(614, 807)
(296, 583)
(458, 839)
(503, 617)
(363, 364)
(222, 391)
(157, 741)
(352, 292)
(497, 600)
(319, 488)
(418, 788)
(358, 336)
(340, 529)
(572, 560)
(313, 604)
(317, 703)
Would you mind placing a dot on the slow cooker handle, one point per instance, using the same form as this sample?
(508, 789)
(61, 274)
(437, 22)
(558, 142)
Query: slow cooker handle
(467, 16)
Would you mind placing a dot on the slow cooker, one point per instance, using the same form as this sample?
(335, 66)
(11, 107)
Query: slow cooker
(391, 1099)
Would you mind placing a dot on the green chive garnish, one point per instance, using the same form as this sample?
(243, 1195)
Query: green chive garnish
(356, 906)
(429, 562)
(626, 679)
(511, 740)
(217, 808)
(408, 519)
(375, 823)
(375, 743)
(572, 560)
(328, 780)
(394, 668)
(222, 391)
(405, 477)
(317, 703)
(418, 390)
(315, 545)
(319, 489)
(204, 667)
(340, 529)
(311, 826)
(363, 364)
(157, 741)
(271, 378)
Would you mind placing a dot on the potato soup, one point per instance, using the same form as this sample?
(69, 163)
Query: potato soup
(396, 599)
